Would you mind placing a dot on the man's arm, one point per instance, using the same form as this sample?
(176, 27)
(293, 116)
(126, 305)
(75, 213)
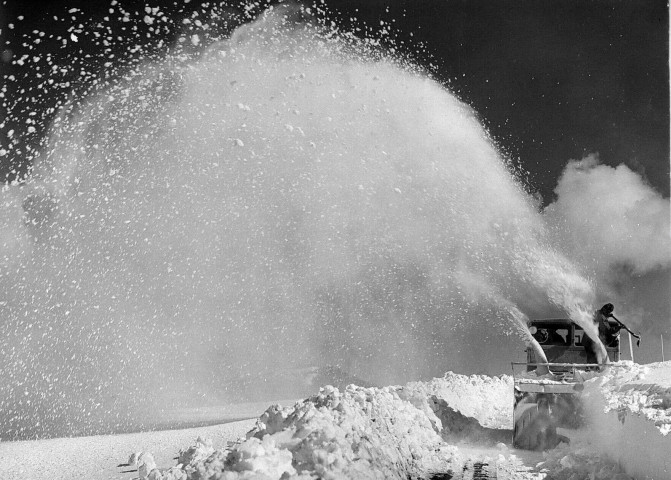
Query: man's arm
(613, 326)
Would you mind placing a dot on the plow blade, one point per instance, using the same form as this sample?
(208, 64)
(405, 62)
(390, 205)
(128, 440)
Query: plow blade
(540, 409)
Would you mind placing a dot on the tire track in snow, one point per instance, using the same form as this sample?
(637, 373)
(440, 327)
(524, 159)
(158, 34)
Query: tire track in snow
(470, 471)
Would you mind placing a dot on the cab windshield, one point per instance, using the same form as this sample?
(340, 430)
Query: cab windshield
(552, 334)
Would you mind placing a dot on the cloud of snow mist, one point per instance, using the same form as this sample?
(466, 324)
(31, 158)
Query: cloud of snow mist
(617, 228)
(612, 217)
(288, 199)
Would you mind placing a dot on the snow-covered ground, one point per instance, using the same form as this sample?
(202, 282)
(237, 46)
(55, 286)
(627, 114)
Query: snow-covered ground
(458, 426)
(630, 410)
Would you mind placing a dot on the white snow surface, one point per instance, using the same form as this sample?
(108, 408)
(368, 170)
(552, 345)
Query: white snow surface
(480, 396)
(457, 425)
(630, 412)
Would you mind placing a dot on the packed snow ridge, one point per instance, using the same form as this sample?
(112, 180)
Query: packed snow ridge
(358, 433)
(636, 390)
(629, 408)
(426, 428)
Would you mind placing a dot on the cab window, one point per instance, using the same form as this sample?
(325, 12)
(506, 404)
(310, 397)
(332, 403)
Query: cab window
(552, 336)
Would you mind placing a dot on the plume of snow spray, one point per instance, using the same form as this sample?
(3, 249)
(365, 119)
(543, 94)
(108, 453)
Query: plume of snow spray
(520, 323)
(290, 198)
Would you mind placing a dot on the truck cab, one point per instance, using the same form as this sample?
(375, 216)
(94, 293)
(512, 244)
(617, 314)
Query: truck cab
(561, 340)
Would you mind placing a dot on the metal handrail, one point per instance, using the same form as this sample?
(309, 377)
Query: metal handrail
(550, 364)
(563, 375)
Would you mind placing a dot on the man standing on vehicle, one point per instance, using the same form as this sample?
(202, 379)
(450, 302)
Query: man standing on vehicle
(608, 332)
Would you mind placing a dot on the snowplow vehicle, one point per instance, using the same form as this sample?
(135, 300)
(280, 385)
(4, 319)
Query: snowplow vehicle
(546, 402)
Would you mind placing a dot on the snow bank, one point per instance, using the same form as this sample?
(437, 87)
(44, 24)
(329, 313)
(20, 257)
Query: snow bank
(391, 432)
(357, 433)
(441, 427)
(629, 409)
(487, 399)
(420, 428)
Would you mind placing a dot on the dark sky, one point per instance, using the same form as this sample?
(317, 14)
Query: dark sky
(552, 80)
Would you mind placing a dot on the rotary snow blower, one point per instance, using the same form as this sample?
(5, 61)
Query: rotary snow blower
(544, 403)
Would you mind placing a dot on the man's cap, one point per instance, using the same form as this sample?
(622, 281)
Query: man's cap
(607, 309)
